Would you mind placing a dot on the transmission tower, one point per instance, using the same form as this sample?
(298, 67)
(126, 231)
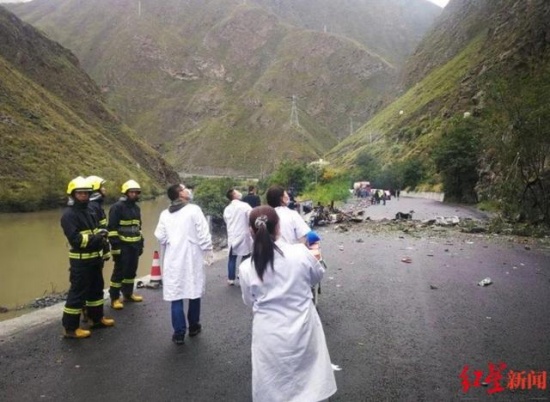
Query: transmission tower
(294, 122)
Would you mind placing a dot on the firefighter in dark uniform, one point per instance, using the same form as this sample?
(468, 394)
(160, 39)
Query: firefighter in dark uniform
(96, 206)
(86, 242)
(126, 244)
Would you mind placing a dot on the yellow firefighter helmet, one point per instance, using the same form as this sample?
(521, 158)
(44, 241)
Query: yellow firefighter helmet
(130, 185)
(96, 182)
(79, 184)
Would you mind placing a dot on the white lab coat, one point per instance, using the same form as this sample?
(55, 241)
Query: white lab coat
(290, 359)
(185, 237)
(236, 216)
(291, 224)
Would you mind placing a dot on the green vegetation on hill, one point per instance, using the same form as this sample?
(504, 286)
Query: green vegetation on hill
(474, 119)
(209, 82)
(54, 126)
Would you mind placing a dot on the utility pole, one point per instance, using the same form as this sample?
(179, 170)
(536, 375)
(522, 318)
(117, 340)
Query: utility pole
(294, 122)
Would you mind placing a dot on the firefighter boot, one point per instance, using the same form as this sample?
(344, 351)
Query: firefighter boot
(133, 298)
(78, 333)
(116, 304)
(103, 323)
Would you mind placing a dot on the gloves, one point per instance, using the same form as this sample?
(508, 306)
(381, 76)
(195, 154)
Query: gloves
(208, 257)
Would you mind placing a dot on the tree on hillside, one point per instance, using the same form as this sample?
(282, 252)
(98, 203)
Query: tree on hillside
(456, 158)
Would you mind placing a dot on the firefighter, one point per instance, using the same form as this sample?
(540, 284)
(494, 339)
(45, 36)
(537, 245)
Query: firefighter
(86, 242)
(96, 206)
(126, 244)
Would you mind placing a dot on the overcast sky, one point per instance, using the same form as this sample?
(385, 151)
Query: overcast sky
(440, 3)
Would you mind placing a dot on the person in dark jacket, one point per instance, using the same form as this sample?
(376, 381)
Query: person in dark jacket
(86, 242)
(126, 244)
(96, 206)
(252, 198)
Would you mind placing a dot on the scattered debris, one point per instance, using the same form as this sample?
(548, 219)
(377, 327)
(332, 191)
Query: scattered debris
(485, 282)
(407, 260)
(359, 241)
(3, 309)
(433, 287)
(447, 221)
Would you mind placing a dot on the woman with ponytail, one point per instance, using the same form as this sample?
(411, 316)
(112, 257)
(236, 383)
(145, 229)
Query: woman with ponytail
(290, 359)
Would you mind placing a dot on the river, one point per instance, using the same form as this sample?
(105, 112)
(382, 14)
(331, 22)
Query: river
(35, 253)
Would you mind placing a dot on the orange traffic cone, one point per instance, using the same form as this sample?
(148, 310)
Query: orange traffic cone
(156, 278)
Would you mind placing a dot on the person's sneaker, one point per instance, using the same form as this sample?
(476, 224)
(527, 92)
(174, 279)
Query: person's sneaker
(78, 333)
(116, 304)
(103, 323)
(194, 330)
(178, 339)
(231, 282)
(134, 298)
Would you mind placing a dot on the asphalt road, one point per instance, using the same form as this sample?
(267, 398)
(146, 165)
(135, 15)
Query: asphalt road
(399, 331)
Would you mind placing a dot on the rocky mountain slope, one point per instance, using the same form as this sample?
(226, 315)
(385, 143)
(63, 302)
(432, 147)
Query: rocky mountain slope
(481, 72)
(54, 125)
(210, 83)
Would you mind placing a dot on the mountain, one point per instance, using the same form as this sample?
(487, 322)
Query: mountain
(54, 125)
(479, 75)
(211, 83)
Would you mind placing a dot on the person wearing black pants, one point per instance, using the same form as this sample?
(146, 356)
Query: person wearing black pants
(86, 261)
(126, 244)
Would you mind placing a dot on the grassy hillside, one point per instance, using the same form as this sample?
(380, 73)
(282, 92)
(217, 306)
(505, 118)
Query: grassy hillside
(473, 121)
(54, 126)
(203, 81)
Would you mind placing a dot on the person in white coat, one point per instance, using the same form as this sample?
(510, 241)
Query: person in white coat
(239, 239)
(290, 358)
(185, 241)
(293, 228)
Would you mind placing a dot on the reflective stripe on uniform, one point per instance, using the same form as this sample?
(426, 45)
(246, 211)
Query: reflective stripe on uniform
(85, 256)
(95, 303)
(130, 222)
(115, 252)
(128, 281)
(130, 239)
(72, 311)
(103, 222)
(116, 285)
(84, 241)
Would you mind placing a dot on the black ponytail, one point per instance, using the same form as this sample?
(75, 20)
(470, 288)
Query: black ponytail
(264, 222)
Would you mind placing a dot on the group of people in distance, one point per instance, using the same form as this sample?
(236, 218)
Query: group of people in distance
(290, 358)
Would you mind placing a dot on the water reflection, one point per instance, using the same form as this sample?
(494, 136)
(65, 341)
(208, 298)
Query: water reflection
(35, 253)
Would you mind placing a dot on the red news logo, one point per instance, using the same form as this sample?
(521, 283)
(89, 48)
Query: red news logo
(515, 380)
